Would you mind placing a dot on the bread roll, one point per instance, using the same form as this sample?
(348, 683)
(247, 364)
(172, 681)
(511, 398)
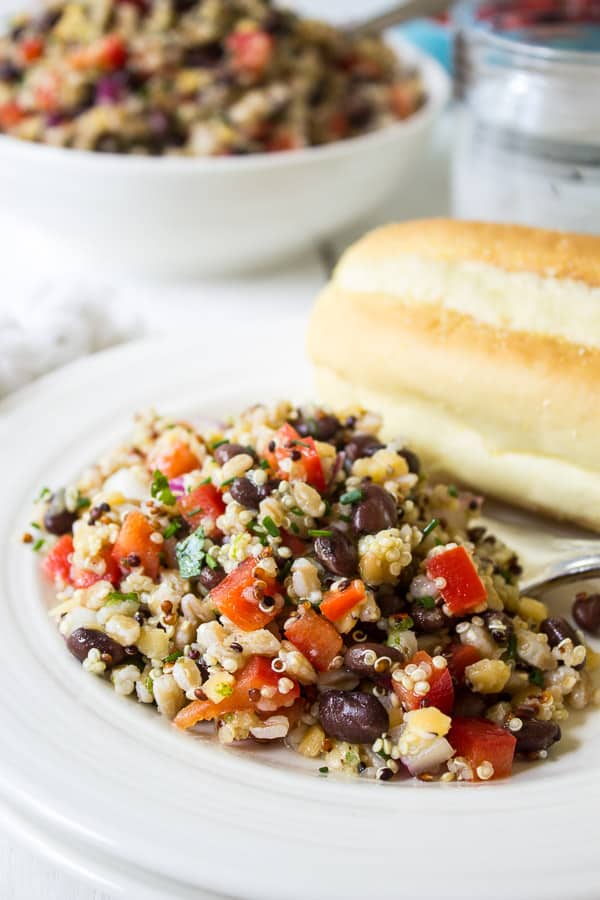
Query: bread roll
(480, 346)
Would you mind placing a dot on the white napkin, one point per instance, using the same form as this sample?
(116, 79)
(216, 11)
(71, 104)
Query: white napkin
(57, 322)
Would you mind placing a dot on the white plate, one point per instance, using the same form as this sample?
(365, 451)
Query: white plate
(108, 787)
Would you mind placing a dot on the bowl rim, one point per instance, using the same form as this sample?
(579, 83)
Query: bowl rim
(437, 83)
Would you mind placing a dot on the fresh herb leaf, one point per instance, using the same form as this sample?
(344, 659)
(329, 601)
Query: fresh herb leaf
(190, 554)
(38, 545)
(537, 677)
(160, 489)
(506, 575)
(264, 464)
(352, 496)
(211, 562)
(172, 657)
(44, 494)
(117, 597)
(323, 770)
(83, 502)
(430, 527)
(294, 528)
(219, 443)
(425, 602)
(35, 525)
(452, 490)
(270, 526)
(173, 527)
(320, 532)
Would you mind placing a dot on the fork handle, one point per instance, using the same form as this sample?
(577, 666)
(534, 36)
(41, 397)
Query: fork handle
(402, 12)
(563, 571)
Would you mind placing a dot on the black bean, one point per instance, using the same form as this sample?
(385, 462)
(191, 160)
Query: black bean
(245, 492)
(96, 512)
(224, 452)
(210, 578)
(338, 553)
(182, 6)
(586, 612)
(58, 519)
(469, 704)
(389, 602)
(412, 460)
(203, 55)
(499, 625)
(428, 621)
(268, 487)
(354, 659)
(359, 112)
(362, 445)
(9, 72)
(557, 630)
(352, 716)
(109, 143)
(82, 640)
(535, 735)
(376, 511)
(475, 534)
(322, 426)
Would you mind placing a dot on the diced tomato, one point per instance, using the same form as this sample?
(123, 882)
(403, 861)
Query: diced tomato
(283, 139)
(109, 52)
(84, 578)
(441, 690)
(238, 596)
(464, 590)
(135, 537)
(31, 49)
(288, 445)
(315, 637)
(459, 657)
(174, 461)
(295, 544)
(257, 674)
(337, 603)
(202, 504)
(57, 565)
(10, 114)
(250, 50)
(479, 740)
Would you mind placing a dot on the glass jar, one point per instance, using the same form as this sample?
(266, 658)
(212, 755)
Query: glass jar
(527, 147)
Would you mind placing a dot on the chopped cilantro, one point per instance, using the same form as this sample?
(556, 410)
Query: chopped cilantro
(425, 602)
(264, 464)
(190, 554)
(536, 676)
(294, 528)
(35, 525)
(270, 526)
(173, 527)
(430, 527)
(352, 496)
(117, 597)
(38, 544)
(452, 490)
(400, 625)
(44, 494)
(160, 489)
(173, 656)
(320, 532)
(323, 770)
(83, 502)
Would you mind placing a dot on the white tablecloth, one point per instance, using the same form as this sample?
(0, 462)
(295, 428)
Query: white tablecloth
(23, 874)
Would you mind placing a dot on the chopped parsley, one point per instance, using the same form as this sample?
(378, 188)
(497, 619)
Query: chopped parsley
(83, 502)
(537, 677)
(172, 657)
(403, 624)
(430, 527)
(38, 545)
(117, 597)
(352, 496)
(425, 602)
(35, 525)
(504, 573)
(44, 494)
(453, 491)
(190, 554)
(294, 528)
(320, 532)
(323, 770)
(264, 463)
(160, 489)
(270, 526)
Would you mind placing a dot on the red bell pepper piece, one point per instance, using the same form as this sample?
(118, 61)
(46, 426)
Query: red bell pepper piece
(479, 740)
(441, 690)
(10, 114)
(109, 52)
(257, 674)
(282, 459)
(250, 50)
(337, 603)
(238, 596)
(31, 49)
(459, 657)
(202, 507)
(84, 578)
(135, 537)
(464, 590)
(315, 637)
(174, 461)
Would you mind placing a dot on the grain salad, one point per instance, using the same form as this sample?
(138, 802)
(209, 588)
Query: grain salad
(288, 576)
(194, 77)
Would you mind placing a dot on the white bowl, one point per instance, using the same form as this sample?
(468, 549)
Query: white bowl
(172, 215)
